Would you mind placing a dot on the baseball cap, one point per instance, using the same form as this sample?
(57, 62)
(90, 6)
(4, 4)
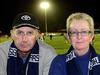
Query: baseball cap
(25, 19)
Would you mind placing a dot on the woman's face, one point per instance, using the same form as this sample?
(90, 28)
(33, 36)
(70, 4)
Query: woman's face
(80, 36)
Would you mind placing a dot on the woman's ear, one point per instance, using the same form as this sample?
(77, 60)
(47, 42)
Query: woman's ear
(68, 38)
(92, 39)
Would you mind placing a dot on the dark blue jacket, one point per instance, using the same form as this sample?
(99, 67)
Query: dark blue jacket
(66, 64)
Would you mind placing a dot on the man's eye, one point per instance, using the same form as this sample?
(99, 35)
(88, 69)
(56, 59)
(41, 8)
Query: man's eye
(19, 32)
(30, 33)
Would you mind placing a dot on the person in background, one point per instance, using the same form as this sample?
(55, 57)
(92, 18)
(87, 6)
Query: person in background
(51, 36)
(81, 58)
(25, 54)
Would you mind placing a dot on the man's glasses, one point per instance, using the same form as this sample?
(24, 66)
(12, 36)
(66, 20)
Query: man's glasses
(21, 33)
(75, 33)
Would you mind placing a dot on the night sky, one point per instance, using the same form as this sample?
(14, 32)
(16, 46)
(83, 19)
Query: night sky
(57, 13)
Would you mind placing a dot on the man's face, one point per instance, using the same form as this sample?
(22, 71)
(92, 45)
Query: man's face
(24, 38)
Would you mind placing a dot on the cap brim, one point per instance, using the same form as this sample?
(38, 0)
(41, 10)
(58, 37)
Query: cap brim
(26, 25)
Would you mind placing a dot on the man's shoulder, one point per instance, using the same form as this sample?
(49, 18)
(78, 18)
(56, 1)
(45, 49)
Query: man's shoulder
(4, 48)
(6, 43)
(46, 50)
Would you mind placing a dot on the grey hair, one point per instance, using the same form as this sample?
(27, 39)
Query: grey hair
(79, 16)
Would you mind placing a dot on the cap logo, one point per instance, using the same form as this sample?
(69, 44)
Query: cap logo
(26, 17)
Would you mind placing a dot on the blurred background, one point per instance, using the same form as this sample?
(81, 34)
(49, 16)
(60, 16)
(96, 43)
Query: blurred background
(56, 13)
(51, 19)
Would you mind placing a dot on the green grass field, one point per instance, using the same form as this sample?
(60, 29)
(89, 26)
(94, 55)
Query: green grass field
(61, 45)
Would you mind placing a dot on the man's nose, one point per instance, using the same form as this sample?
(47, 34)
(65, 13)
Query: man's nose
(24, 38)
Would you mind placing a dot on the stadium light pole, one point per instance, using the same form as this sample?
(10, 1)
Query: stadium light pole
(45, 6)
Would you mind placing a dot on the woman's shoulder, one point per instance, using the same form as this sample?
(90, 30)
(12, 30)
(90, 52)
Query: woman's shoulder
(60, 58)
(98, 56)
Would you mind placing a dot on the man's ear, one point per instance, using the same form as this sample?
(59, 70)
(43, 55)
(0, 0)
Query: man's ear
(37, 34)
(12, 34)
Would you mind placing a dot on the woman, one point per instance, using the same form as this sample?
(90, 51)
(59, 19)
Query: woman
(81, 58)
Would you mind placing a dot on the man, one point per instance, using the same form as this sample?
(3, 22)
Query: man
(25, 54)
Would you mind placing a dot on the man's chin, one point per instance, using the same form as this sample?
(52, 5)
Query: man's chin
(24, 51)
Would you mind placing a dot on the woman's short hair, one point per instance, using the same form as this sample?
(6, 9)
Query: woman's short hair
(80, 16)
